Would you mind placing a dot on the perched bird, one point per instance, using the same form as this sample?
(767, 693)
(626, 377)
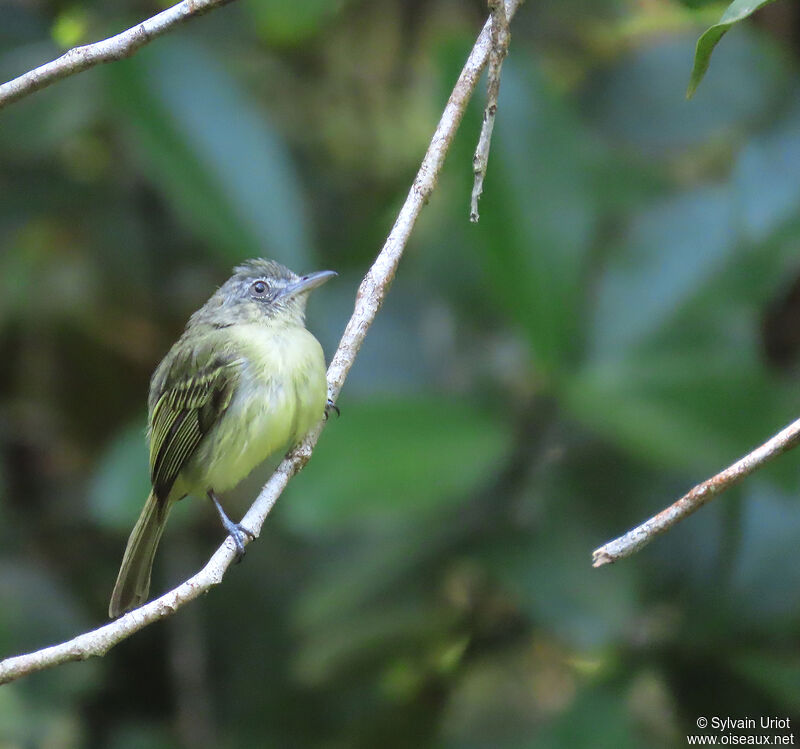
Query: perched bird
(244, 380)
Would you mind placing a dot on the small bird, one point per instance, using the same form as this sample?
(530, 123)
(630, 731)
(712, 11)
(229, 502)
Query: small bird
(244, 380)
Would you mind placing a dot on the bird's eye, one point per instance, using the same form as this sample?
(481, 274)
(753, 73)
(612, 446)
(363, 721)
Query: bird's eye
(259, 288)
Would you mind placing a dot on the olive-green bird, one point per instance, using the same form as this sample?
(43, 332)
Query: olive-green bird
(245, 380)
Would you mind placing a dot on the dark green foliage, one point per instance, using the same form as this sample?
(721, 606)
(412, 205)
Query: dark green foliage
(617, 327)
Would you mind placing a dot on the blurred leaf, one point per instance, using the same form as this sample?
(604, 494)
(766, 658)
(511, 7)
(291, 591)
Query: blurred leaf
(501, 702)
(282, 23)
(36, 611)
(764, 178)
(430, 453)
(598, 719)
(5, 524)
(699, 3)
(737, 11)
(21, 25)
(376, 629)
(365, 597)
(70, 27)
(639, 99)
(28, 721)
(38, 127)
(767, 563)
(13, 726)
(211, 151)
(676, 336)
(549, 575)
(493, 704)
(393, 359)
(141, 735)
(360, 568)
(777, 676)
(674, 249)
(692, 409)
(121, 480)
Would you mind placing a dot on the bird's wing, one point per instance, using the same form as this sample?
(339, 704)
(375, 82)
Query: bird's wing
(187, 408)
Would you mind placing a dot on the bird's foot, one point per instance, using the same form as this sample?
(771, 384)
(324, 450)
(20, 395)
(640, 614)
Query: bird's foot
(239, 533)
(331, 406)
(236, 531)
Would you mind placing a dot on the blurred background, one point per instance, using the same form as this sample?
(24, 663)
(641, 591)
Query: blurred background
(623, 322)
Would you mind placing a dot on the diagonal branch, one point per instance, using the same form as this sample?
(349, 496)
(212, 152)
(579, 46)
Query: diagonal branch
(643, 534)
(369, 299)
(108, 50)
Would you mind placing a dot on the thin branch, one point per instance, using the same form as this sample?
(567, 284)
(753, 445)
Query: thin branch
(108, 50)
(369, 299)
(501, 37)
(639, 537)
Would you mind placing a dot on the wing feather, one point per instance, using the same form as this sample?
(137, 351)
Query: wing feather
(183, 414)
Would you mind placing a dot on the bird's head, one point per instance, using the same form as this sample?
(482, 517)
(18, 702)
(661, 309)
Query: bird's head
(262, 291)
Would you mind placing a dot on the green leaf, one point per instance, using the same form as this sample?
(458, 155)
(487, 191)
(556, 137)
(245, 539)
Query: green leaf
(210, 149)
(390, 458)
(737, 11)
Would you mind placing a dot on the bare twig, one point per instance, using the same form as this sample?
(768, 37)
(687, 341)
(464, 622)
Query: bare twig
(639, 537)
(501, 36)
(369, 299)
(108, 50)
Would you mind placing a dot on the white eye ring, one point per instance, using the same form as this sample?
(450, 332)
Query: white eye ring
(259, 288)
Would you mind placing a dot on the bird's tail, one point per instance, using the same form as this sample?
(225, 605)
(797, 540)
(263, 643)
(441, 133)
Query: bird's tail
(133, 580)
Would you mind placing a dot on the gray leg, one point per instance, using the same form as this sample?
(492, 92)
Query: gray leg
(235, 530)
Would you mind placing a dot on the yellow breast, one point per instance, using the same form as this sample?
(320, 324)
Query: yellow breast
(280, 395)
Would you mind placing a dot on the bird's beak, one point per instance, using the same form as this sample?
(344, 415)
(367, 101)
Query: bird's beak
(309, 282)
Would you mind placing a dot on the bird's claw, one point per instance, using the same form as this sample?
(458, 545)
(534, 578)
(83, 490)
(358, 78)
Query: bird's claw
(331, 406)
(238, 533)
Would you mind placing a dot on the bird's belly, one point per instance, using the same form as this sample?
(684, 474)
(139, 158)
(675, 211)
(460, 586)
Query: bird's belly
(250, 431)
(273, 408)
